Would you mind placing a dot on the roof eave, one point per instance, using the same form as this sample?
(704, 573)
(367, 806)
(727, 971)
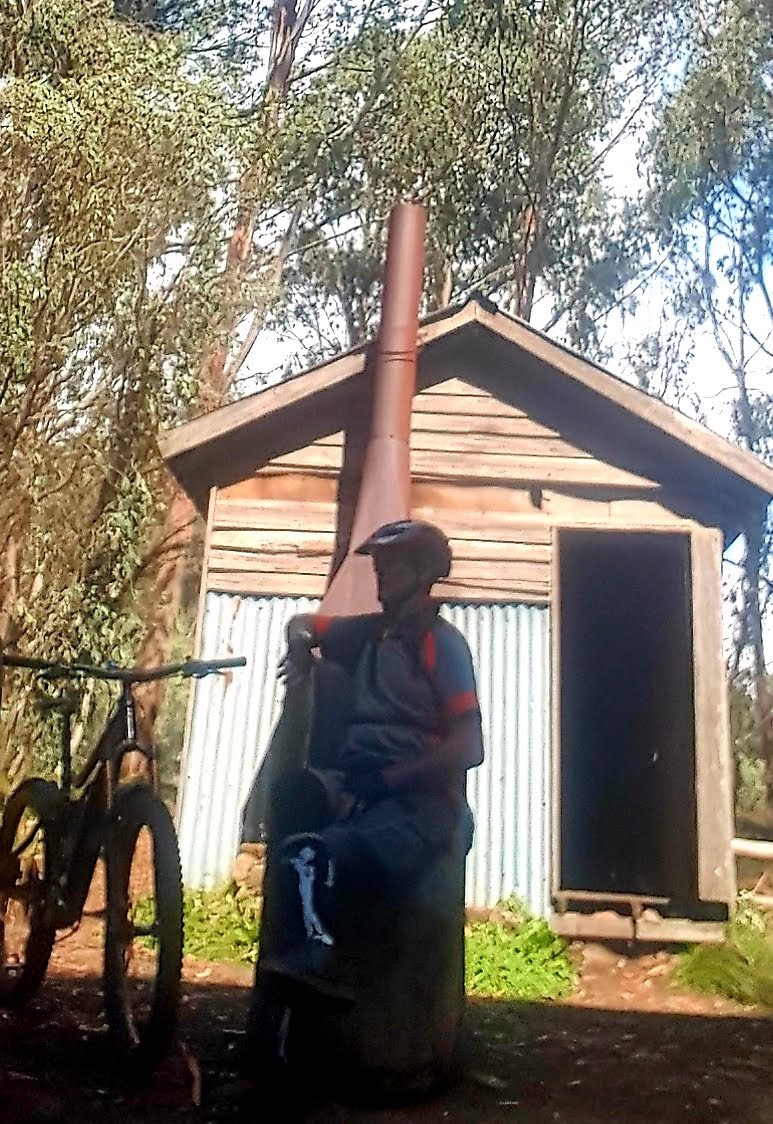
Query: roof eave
(635, 401)
(182, 443)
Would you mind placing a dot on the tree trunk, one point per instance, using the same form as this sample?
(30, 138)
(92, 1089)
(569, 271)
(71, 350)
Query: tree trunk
(10, 588)
(754, 633)
(755, 537)
(525, 269)
(167, 595)
(171, 546)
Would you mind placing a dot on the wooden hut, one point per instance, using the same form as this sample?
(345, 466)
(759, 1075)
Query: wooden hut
(588, 522)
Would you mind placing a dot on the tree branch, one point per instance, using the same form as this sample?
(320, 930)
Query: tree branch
(259, 314)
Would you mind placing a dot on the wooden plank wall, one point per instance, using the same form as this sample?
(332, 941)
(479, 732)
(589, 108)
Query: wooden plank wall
(493, 478)
(275, 533)
(498, 441)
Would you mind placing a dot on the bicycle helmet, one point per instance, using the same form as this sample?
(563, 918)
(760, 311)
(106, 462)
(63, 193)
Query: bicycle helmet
(423, 542)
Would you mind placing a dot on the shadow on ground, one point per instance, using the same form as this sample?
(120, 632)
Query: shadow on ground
(527, 1062)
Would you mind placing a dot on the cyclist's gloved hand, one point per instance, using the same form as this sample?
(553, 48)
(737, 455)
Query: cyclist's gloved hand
(298, 660)
(367, 785)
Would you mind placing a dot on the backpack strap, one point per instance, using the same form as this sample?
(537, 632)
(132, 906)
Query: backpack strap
(428, 657)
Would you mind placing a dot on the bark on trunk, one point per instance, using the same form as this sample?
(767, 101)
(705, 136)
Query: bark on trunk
(755, 534)
(526, 266)
(172, 544)
(753, 613)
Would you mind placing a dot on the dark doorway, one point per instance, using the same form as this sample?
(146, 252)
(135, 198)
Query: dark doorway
(627, 754)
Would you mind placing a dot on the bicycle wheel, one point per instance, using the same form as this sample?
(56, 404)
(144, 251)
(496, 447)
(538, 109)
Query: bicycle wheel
(143, 937)
(26, 938)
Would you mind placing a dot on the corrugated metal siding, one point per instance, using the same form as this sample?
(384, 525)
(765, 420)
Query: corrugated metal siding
(230, 727)
(509, 794)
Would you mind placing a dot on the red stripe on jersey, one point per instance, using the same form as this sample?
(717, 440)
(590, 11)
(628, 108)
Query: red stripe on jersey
(429, 652)
(321, 624)
(461, 704)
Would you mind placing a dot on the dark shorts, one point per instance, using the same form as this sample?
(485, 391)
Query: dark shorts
(400, 835)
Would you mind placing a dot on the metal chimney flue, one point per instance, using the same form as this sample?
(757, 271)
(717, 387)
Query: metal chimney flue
(385, 485)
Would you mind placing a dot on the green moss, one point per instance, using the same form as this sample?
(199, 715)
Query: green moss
(740, 969)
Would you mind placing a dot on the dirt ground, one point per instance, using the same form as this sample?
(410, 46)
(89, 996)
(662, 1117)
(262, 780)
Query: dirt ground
(625, 1048)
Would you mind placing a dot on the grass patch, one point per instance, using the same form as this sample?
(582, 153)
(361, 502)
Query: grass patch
(217, 925)
(740, 969)
(528, 962)
(221, 926)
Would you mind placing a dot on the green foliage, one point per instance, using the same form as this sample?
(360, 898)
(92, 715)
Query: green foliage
(712, 211)
(712, 197)
(497, 118)
(527, 963)
(714, 129)
(219, 925)
(114, 162)
(741, 969)
(750, 787)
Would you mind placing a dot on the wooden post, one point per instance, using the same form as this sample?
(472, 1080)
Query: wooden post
(713, 773)
(759, 849)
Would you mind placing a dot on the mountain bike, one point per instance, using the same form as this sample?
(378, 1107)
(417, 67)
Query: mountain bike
(51, 841)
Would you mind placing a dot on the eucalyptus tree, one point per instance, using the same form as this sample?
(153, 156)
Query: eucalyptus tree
(712, 208)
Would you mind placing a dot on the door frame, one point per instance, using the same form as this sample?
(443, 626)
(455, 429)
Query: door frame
(716, 866)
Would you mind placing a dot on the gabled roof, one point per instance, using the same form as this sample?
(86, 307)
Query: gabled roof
(236, 416)
(193, 449)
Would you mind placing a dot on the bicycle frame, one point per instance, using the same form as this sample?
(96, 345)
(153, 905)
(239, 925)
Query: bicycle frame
(76, 826)
(118, 738)
(79, 834)
(104, 819)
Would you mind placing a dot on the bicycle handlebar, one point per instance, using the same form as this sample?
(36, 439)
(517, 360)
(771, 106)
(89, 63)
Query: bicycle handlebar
(190, 669)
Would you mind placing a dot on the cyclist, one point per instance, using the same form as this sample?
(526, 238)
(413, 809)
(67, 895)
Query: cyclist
(397, 796)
